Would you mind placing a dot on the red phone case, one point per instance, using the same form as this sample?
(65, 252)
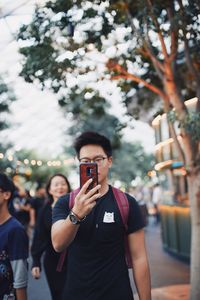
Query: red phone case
(87, 171)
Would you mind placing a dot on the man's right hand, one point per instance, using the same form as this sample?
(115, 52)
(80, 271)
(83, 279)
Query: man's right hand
(35, 272)
(85, 202)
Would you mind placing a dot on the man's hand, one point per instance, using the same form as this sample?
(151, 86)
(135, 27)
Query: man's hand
(85, 202)
(35, 272)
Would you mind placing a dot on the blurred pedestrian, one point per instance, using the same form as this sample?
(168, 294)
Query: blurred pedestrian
(23, 211)
(38, 201)
(57, 186)
(13, 248)
(156, 199)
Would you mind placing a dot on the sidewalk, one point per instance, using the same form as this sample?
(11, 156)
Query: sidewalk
(169, 275)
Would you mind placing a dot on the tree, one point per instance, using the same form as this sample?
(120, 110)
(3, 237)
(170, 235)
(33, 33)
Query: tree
(151, 48)
(6, 98)
(88, 111)
(130, 161)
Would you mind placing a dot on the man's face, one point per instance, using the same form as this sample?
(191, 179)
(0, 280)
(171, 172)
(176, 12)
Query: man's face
(96, 153)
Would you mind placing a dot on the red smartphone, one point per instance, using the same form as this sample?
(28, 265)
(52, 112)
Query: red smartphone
(87, 171)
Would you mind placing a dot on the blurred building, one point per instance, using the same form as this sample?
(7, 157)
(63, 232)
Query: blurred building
(170, 169)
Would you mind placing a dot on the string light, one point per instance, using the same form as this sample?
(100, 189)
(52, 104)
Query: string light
(35, 162)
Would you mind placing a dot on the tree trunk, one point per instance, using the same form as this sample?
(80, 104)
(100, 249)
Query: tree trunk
(193, 179)
(194, 195)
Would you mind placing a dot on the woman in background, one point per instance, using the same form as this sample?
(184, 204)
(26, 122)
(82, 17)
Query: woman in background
(57, 186)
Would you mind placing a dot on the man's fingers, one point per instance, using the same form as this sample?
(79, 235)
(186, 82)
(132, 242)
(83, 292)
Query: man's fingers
(85, 186)
(94, 198)
(93, 191)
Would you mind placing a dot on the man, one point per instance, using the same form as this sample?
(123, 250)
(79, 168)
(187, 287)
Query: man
(13, 248)
(96, 256)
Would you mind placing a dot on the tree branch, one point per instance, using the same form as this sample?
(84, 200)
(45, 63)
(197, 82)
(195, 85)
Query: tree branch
(149, 52)
(176, 142)
(113, 66)
(173, 132)
(160, 36)
(189, 60)
(174, 33)
(157, 64)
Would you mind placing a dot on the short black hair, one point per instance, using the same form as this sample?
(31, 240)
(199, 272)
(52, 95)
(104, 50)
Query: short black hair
(93, 138)
(6, 184)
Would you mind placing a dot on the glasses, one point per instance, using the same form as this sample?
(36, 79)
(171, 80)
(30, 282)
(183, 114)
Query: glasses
(99, 160)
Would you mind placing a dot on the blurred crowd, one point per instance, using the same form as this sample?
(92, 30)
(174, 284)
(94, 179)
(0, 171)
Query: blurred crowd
(149, 198)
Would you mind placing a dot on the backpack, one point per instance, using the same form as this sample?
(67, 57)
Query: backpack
(123, 206)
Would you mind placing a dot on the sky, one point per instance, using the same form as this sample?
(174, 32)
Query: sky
(37, 121)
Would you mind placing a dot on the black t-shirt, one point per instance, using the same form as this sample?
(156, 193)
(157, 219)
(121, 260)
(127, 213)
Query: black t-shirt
(96, 258)
(37, 204)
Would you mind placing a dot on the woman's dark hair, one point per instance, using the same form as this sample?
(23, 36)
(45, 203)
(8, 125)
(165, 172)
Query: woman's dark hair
(7, 185)
(93, 138)
(50, 198)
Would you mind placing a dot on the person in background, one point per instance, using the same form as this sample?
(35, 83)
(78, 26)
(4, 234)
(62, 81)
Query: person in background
(156, 199)
(93, 233)
(38, 201)
(13, 248)
(23, 211)
(57, 186)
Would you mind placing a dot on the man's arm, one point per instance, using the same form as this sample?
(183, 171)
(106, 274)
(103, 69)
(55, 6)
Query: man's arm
(20, 274)
(21, 294)
(141, 271)
(63, 232)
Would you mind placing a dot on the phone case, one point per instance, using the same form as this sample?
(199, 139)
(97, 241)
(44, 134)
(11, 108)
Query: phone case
(87, 171)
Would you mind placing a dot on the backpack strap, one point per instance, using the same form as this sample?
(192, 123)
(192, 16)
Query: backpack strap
(123, 205)
(72, 197)
(63, 254)
(61, 260)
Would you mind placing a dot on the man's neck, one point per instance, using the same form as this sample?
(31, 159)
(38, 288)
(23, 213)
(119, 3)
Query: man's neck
(4, 215)
(104, 188)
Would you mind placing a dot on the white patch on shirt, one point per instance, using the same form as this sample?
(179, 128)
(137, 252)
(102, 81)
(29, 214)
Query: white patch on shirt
(108, 217)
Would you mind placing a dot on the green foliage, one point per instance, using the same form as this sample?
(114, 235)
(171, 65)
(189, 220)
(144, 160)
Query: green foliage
(129, 162)
(65, 37)
(89, 112)
(192, 125)
(4, 162)
(126, 25)
(6, 98)
(171, 116)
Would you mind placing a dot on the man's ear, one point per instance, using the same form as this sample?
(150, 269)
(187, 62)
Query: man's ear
(110, 161)
(7, 195)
